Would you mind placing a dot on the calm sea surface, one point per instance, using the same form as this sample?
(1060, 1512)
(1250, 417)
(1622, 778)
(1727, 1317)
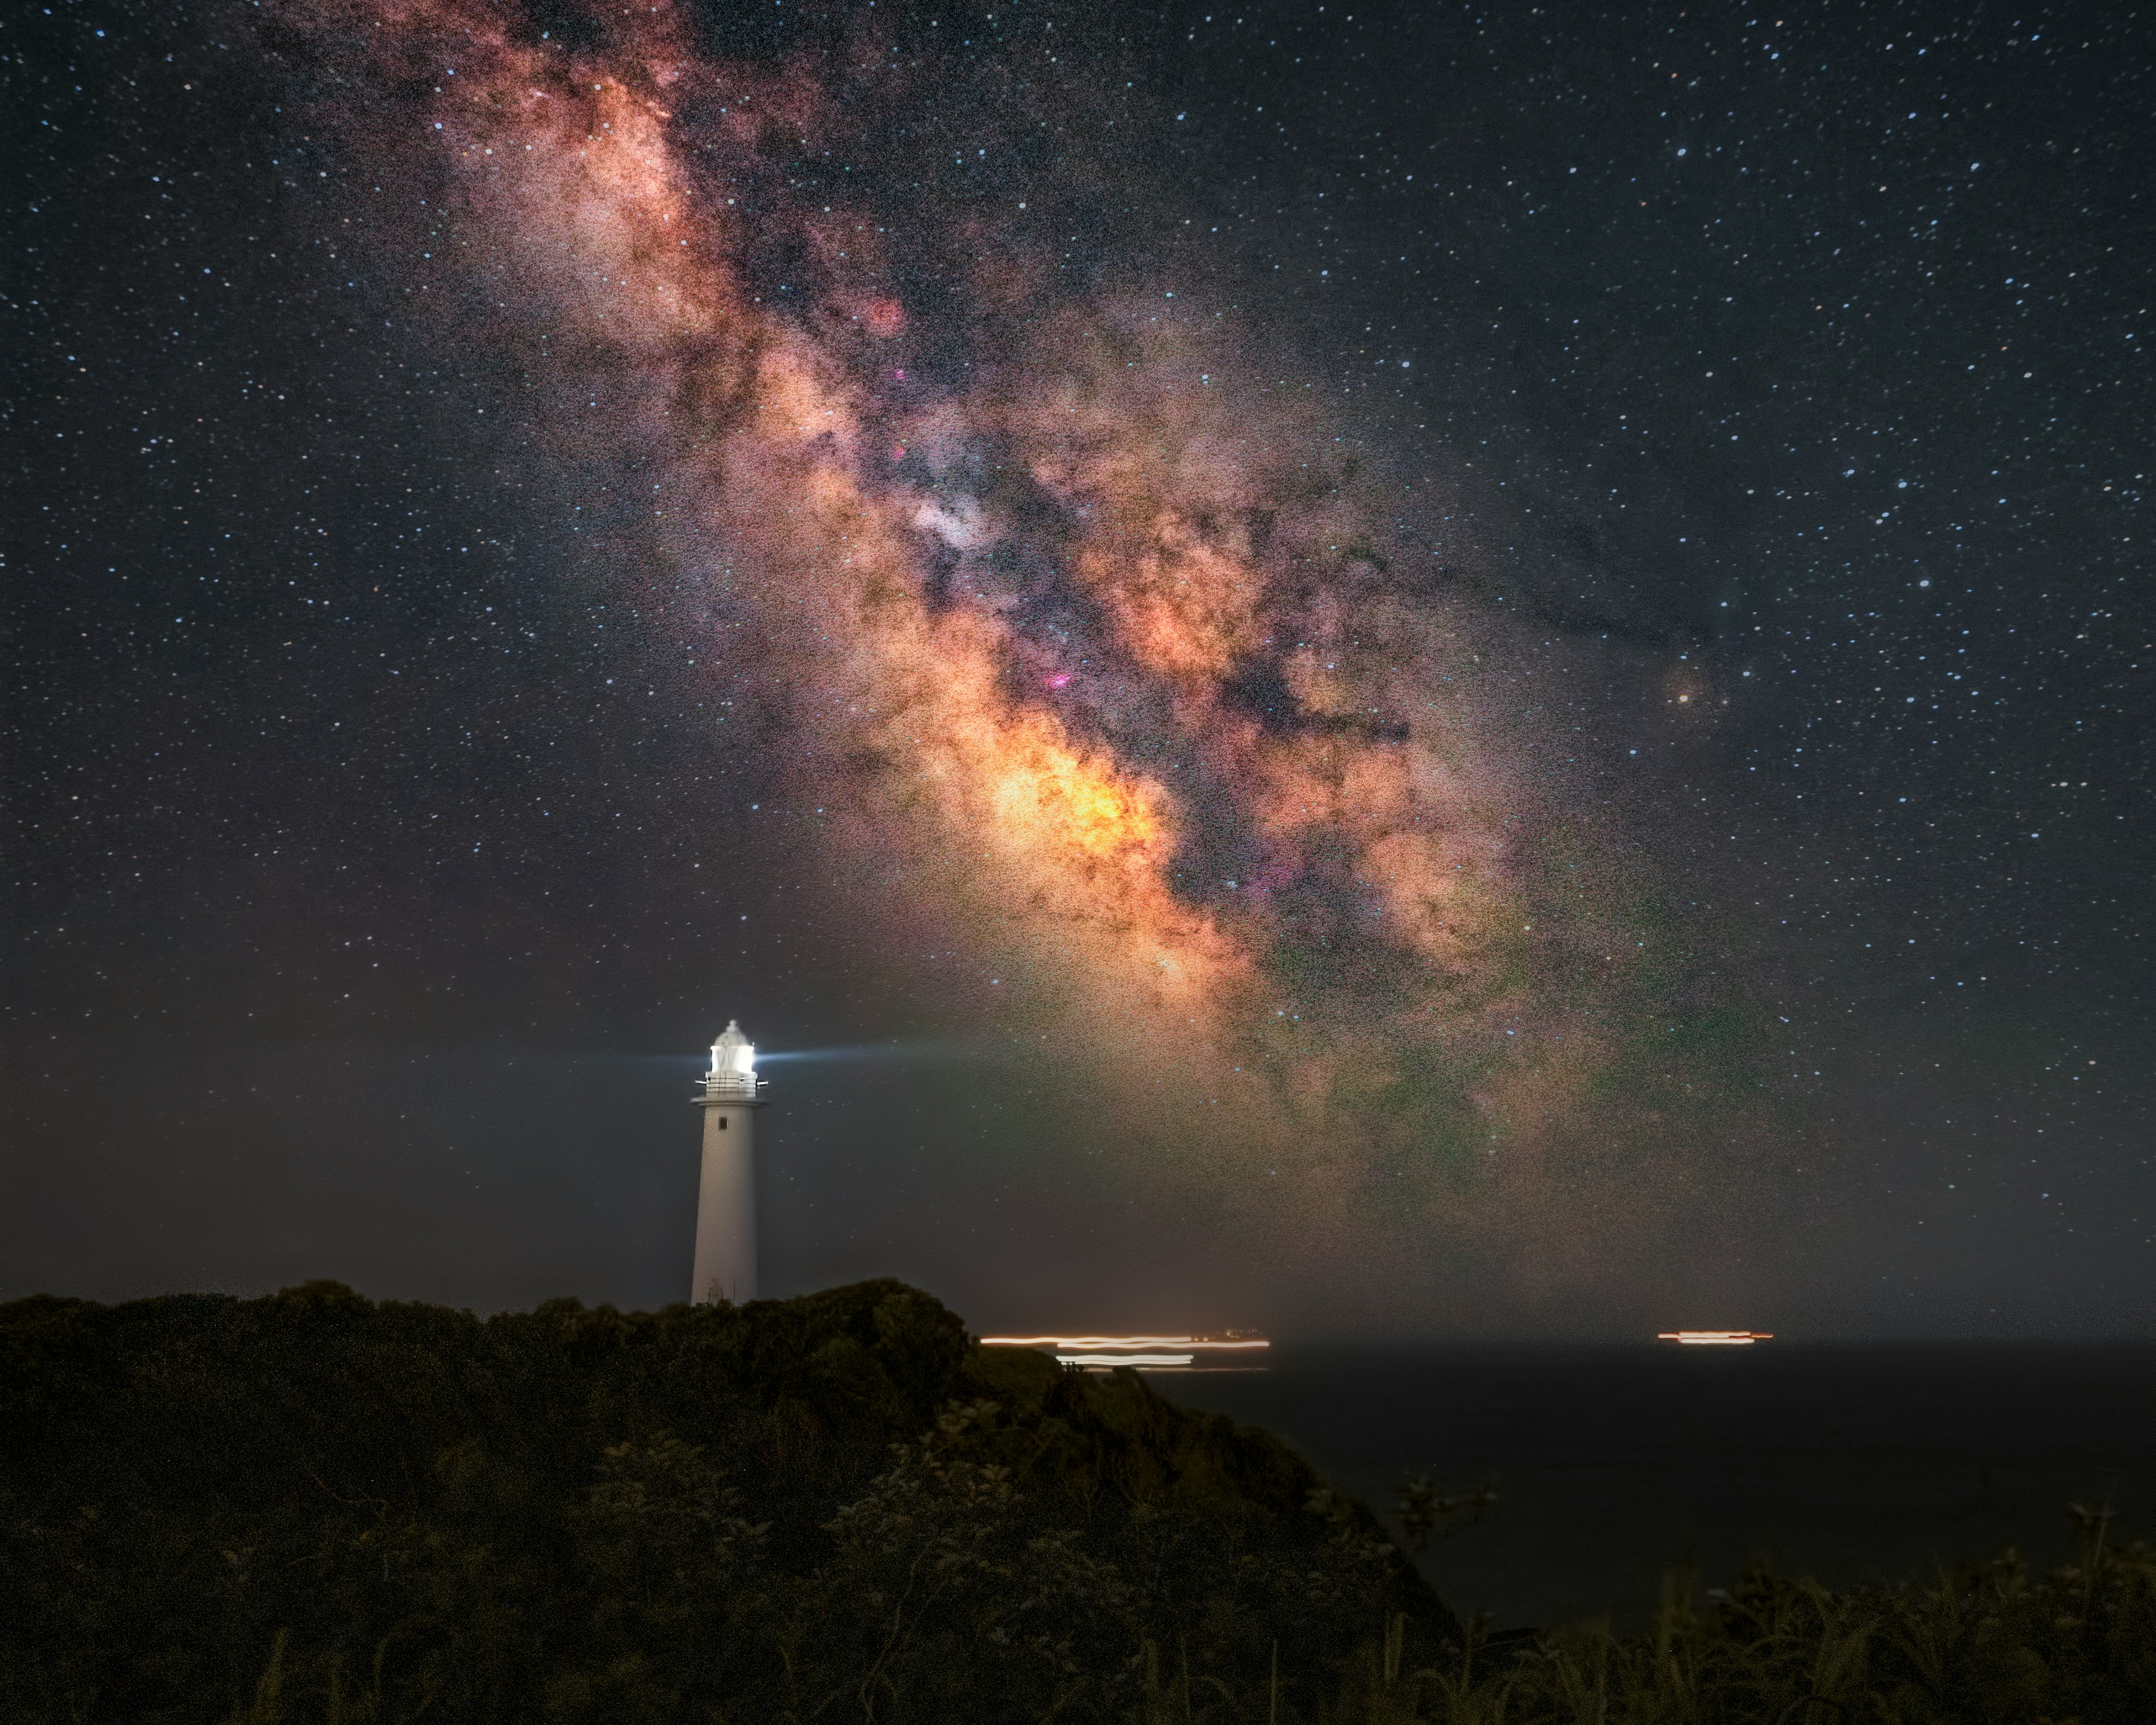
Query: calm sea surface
(1615, 1465)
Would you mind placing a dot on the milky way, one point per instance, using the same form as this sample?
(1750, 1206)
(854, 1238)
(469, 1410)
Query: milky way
(1183, 700)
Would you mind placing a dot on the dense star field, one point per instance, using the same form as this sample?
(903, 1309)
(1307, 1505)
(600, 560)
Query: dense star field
(1390, 667)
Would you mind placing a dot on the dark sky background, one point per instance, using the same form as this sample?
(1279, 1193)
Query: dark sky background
(379, 860)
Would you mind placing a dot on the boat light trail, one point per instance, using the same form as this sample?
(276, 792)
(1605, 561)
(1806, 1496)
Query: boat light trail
(1208, 1342)
(1125, 1359)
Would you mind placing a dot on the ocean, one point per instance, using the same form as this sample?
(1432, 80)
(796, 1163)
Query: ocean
(1614, 1466)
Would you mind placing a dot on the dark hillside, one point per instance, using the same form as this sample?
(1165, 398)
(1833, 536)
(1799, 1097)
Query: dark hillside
(574, 1513)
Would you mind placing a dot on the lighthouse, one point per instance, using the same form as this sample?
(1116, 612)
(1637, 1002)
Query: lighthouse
(726, 1197)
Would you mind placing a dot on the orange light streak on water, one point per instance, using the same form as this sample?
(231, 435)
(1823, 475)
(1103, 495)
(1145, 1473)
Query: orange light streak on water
(1123, 1342)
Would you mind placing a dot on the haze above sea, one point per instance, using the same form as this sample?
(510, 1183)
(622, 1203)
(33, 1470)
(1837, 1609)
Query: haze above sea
(1615, 1466)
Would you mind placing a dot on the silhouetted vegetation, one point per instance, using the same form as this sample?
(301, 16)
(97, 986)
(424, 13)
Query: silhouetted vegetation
(313, 1507)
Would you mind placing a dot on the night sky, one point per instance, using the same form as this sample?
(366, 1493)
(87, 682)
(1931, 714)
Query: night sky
(1412, 669)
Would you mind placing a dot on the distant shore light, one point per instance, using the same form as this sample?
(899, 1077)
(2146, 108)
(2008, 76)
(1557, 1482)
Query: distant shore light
(1715, 1338)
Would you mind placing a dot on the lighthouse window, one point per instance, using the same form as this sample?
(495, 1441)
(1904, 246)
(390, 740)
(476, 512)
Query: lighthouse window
(723, 1122)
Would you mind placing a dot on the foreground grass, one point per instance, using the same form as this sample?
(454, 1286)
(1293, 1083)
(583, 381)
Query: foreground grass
(1984, 1642)
(315, 1508)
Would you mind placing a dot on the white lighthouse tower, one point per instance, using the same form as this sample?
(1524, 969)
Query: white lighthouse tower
(726, 1199)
